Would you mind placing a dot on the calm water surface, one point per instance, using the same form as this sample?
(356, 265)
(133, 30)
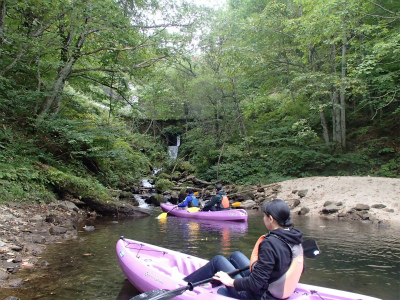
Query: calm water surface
(356, 257)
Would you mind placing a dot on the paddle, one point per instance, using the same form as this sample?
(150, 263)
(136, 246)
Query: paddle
(164, 215)
(190, 209)
(236, 204)
(166, 294)
(193, 209)
(310, 248)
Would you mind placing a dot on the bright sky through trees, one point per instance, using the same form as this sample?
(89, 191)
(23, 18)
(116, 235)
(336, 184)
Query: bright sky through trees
(211, 3)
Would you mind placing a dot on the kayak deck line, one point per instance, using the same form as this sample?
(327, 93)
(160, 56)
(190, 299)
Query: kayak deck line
(169, 264)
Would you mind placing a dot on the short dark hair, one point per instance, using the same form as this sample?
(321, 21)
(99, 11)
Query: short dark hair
(279, 210)
(189, 191)
(218, 186)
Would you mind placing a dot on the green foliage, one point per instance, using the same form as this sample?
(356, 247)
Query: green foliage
(389, 169)
(77, 186)
(20, 181)
(173, 130)
(163, 185)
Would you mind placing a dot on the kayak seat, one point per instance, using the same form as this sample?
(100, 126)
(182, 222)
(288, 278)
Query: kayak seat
(176, 274)
(162, 266)
(185, 266)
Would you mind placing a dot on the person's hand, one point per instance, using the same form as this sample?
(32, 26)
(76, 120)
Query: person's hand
(224, 278)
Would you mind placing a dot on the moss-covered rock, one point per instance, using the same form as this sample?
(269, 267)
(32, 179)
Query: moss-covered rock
(163, 185)
(156, 199)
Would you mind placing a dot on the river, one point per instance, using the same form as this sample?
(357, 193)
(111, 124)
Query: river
(356, 257)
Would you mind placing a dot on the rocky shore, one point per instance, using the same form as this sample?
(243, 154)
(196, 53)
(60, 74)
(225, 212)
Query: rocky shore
(368, 199)
(26, 229)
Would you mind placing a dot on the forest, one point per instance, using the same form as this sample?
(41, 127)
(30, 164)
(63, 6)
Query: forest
(257, 91)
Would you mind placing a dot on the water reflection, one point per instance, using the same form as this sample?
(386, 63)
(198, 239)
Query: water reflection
(356, 257)
(193, 235)
(127, 291)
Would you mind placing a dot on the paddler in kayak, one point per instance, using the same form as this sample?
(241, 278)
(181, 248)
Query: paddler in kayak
(190, 200)
(276, 262)
(218, 202)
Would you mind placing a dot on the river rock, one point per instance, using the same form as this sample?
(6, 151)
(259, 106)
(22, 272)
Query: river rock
(295, 203)
(68, 205)
(56, 230)
(16, 248)
(4, 275)
(378, 206)
(248, 204)
(36, 218)
(304, 210)
(362, 207)
(88, 228)
(302, 193)
(330, 209)
(34, 249)
(15, 283)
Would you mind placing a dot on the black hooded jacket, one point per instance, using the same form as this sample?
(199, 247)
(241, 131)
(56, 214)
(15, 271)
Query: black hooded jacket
(274, 259)
(215, 200)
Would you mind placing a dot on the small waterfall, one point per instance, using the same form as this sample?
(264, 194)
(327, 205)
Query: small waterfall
(147, 184)
(140, 200)
(173, 150)
(156, 170)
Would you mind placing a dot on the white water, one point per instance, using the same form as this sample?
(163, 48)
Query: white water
(140, 200)
(173, 150)
(156, 170)
(147, 184)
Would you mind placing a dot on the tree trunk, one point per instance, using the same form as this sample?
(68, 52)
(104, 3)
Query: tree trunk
(240, 118)
(324, 125)
(343, 90)
(68, 59)
(2, 18)
(58, 86)
(287, 82)
(336, 135)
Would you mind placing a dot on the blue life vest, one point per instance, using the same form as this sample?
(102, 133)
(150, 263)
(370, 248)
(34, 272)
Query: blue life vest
(194, 202)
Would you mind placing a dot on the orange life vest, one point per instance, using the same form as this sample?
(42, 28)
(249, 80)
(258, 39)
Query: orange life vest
(286, 284)
(225, 202)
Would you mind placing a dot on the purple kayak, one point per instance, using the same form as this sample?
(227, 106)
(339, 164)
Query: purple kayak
(237, 215)
(150, 268)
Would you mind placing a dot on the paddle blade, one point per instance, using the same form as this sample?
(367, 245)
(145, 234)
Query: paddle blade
(162, 216)
(236, 204)
(193, 209)
(311, 249)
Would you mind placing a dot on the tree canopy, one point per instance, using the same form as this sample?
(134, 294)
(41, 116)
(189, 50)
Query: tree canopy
(257, 90)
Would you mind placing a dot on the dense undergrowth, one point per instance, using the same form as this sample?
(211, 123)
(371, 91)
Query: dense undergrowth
(89, 161)
(278, 154)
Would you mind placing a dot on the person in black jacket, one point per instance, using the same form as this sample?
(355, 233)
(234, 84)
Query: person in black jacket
(271, 258)
(215, 203)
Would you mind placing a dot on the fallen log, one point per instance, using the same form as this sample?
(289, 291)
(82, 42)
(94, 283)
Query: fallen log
(178, 188)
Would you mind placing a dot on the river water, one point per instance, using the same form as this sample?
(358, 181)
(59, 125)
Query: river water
(356, 257)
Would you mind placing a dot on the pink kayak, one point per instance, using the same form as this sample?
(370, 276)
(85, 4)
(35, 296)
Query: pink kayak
(238, 215)
(151, 268)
